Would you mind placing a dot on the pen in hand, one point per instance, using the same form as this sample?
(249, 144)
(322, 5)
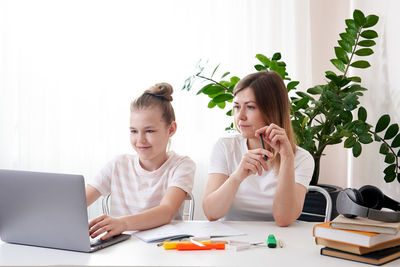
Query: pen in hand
(263, 146)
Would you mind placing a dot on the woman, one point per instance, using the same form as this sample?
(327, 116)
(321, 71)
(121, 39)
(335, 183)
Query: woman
(242, 184)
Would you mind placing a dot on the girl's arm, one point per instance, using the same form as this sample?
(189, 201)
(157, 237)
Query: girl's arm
(289, 196)
(159, 215)
(92, 194)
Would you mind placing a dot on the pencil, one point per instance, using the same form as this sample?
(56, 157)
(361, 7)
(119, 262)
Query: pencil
(263, 146)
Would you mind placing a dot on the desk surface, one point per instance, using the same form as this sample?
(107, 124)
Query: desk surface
(299, 250)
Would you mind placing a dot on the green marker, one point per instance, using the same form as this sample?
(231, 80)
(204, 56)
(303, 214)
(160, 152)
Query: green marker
(271, 241)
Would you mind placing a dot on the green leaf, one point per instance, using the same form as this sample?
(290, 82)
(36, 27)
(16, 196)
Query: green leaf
(341, 54)
(357, 149)
(361, 127)
(350, 102)
(259, 67)
(276, 56)
(355, 79)
(215, 70)
(303, 95)
(317, 90)
(204, 87)
(225, 74)
(390, 169)
(345, 45)
(390, 158)
(292, 85)
(367, 43)
(346, 117)
(362, 114)
(229, 113)
(391, 131)
(351, 24)
(369, 34)
(302, 103)
(365, 138)
(234, 80)
(348, 38)
(213, 89)
(390, 177)
(350, 142)
(384, 149)
(396, 142)
(352, 32)
(222, 98)
(263, 59)
(338, 64)
(364, 52)
(382, 123)
(211, 104)
(362, 64)
(370, 21)
(221, 105)
(359, 17)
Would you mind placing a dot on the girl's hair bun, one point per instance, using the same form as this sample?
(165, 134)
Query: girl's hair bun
(161, 90)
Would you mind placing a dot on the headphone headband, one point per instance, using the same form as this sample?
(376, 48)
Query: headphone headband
(349, 206)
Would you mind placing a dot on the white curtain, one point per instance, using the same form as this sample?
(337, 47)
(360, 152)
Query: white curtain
(69, 70)
(339, 167)
(383, 96)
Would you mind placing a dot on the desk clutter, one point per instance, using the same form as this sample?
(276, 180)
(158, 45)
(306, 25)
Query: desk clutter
(194, 243)
(359, 239)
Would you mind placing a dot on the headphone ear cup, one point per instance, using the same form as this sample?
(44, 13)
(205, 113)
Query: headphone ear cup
(356, 197)
(359, 197)
(373, 197)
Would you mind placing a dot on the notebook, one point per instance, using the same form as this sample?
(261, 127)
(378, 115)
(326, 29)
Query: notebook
(184, 229)
(46, 210)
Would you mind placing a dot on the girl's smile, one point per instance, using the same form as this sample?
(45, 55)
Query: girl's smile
(150, 135)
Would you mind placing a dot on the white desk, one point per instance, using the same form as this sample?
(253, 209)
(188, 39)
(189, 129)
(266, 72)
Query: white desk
(299, 250)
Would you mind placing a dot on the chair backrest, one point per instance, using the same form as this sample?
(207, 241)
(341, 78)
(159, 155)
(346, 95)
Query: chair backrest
(188, 211)
(328, 206)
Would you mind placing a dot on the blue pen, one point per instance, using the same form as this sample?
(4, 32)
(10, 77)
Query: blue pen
(263, 146)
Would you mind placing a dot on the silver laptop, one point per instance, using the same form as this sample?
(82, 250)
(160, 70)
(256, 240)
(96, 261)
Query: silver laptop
(47, 210)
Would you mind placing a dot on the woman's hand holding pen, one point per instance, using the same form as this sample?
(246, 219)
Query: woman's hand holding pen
(276, 137)
(253, 162)
(104, 223)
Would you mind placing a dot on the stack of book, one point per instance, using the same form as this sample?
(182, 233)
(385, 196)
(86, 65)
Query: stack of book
(359, 239)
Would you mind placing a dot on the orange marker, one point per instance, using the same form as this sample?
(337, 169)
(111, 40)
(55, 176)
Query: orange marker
(191, 246)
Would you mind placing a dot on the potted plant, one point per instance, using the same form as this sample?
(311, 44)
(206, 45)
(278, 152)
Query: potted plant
(330, 113)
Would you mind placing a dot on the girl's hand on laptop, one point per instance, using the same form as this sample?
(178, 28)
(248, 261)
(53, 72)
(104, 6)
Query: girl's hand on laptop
(104, 223)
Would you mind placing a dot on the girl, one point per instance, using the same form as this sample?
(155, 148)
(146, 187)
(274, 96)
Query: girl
(242, 184)
(147, 189)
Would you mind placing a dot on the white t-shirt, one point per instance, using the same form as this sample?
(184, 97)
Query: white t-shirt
(134, 189)
(255, 196)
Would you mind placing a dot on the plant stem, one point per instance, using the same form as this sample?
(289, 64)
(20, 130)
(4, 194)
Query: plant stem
(206, 78)
(353, 52)
(391, 149)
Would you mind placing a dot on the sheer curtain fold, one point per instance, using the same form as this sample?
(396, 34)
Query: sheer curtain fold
(69, 70)
(383, 95)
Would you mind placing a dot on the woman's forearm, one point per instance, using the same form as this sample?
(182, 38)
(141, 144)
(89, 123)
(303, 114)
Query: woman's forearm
(287, 206)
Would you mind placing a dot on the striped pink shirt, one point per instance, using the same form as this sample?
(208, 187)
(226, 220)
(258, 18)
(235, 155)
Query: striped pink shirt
(134, 189)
